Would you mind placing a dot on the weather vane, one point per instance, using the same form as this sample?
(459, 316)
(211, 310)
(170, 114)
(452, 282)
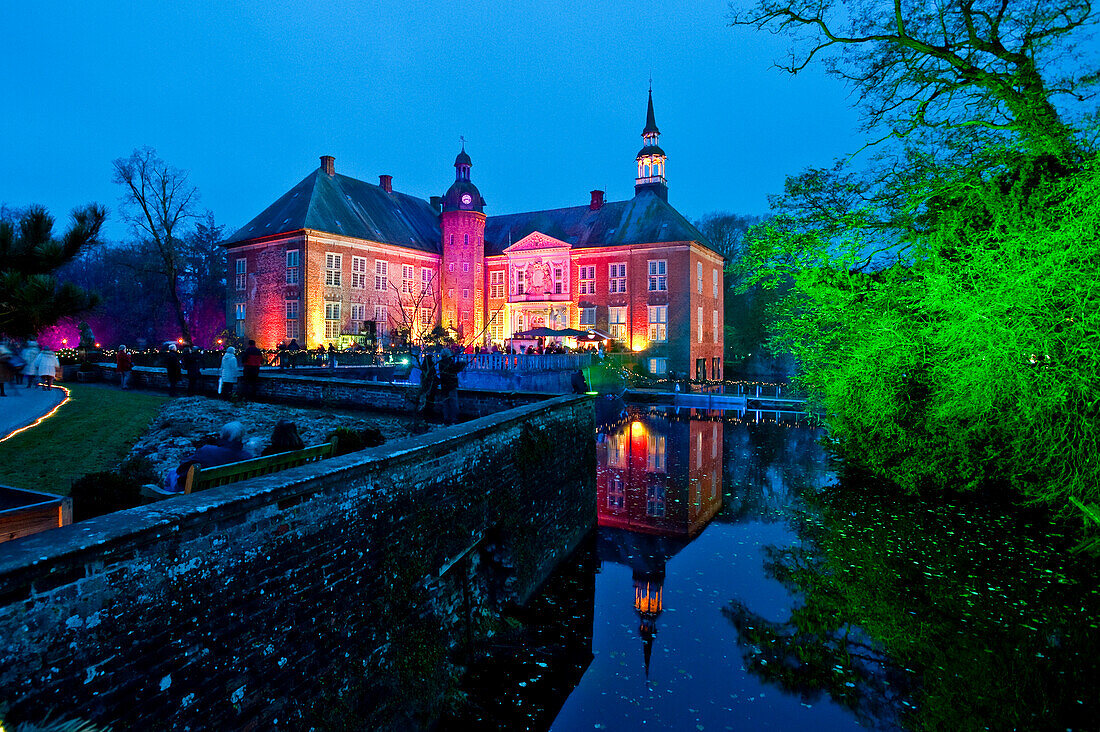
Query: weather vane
(463, 139)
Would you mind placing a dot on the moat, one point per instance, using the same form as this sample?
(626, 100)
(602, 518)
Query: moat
(735, 583)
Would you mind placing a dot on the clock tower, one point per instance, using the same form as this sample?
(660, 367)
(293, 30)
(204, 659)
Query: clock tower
(462, 289)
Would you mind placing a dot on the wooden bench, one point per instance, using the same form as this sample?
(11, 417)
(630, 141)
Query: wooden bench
(199, 478)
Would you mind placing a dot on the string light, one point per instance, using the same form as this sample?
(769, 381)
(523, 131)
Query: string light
(44, 417)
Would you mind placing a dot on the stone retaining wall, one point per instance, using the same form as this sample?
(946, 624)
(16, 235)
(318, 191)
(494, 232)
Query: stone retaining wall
(327, 594)
(334, 391)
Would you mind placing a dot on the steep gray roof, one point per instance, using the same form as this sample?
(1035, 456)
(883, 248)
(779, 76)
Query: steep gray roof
(341, 205)
(644, 219)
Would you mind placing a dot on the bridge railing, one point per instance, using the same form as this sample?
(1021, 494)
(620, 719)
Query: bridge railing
(533, 362)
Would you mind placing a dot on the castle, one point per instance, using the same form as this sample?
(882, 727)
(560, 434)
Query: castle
(336, 257)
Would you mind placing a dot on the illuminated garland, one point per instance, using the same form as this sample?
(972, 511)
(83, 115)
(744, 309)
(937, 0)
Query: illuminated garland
(44, 417)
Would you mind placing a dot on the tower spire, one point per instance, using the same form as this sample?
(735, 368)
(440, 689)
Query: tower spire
(651, 158)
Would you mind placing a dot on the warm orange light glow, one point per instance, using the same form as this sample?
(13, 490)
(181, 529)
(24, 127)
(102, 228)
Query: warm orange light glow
(639, 344)
(43, 418)
(648, 600)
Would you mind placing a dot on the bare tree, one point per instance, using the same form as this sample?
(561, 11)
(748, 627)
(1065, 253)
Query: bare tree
(157, 202)
(993, 64)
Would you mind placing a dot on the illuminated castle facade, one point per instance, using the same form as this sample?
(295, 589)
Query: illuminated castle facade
(337, 257)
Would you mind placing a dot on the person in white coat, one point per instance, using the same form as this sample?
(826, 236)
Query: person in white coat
(45, 367)
(230, 372)
(29, 354)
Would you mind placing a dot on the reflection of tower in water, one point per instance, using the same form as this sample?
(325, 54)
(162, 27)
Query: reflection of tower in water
(658, 483)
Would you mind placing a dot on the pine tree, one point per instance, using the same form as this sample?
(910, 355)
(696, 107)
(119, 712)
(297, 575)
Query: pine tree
(31, 296)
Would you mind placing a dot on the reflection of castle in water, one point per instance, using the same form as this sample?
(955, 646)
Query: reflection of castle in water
(658, 484)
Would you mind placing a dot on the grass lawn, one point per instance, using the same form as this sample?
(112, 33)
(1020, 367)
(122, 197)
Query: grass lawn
(93, 432)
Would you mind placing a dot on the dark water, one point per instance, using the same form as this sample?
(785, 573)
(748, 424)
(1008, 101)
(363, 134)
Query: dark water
(734, 584)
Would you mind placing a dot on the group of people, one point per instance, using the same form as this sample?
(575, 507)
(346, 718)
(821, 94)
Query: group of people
(231, 448)
(177, 364)
(37, 366)
(245, 369)
(439, 385)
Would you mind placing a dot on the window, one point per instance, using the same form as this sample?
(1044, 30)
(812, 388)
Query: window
(616, 318)
(658, 366)
(452, 244)
(333, 265)
(465, 294)
(380, 320)
(425, 317)
(332, 320)
(381, 268)
(465, 266)
(655, 500)
(616, 277)
(408, 272)
(496, 284)
(465, 238)
(242, 276)
(358, 315)
(496, 327)
(292, 327)
(521, 281)
(616, 451)
(240, 318)
(559, 280)
(451, 293)
(616, 495)
(699, 321)
(451, 265)
(699, 276)
(587, 280)
(658, 275)
(658, 323)
(425, 279)
(588, 316)
(293, 262)
(655, 453)
(716, 283)
(716, 329)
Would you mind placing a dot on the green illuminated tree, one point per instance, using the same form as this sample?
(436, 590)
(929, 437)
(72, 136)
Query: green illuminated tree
(31, 295)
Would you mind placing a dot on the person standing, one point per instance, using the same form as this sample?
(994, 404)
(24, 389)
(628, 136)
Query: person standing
(125, 363)
(281, 355)
(173, 367)
(253, 360)
(331, 357)
(5, 365)
(449, 369)
(230, 371)
(192, 363)
(45, 366)
(30, 353)
(294, 349)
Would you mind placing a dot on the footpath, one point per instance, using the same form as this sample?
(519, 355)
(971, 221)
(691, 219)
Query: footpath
(22, 406)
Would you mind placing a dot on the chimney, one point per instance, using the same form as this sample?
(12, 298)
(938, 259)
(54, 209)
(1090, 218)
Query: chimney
(328, 164)
(436, 203)
(597, 201)
(386, 182)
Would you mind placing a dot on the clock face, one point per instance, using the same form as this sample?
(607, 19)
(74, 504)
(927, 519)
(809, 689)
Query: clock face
(467, 199)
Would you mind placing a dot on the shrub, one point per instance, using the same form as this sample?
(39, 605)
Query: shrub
(96, 494)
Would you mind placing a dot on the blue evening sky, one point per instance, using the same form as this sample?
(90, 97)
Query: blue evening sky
(550, 96)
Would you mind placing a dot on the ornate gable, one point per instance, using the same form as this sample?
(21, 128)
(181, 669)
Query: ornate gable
(536, 241)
